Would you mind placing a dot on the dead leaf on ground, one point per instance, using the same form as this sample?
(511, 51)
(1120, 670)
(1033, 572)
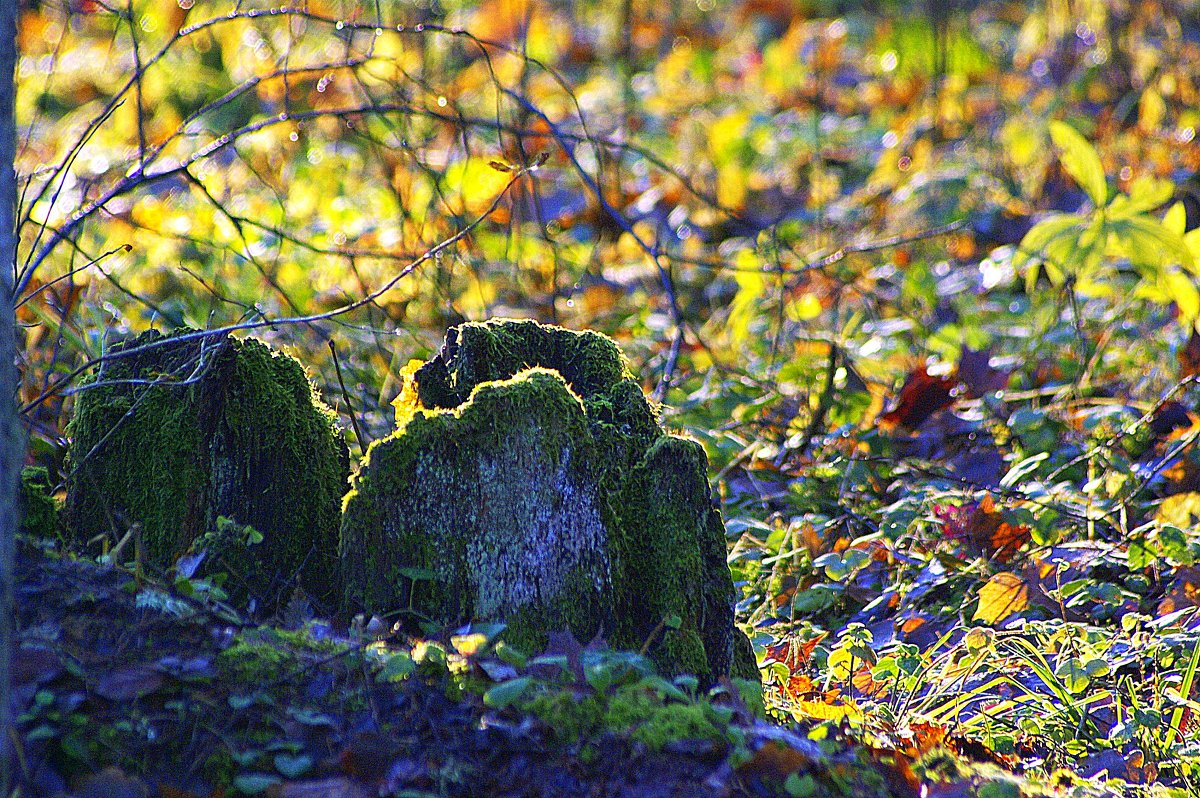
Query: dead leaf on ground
(983, 527)
(1189, 356)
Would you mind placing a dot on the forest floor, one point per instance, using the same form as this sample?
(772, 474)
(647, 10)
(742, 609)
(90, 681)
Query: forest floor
(127, 688)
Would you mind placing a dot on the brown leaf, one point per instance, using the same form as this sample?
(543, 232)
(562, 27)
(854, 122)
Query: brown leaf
(921, 396)
(1168, 417)
(368, 756)
(793, 653)
(983, 528)
(1189, 356)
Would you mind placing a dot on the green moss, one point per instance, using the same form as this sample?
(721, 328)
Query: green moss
(253, 662)
(173, 438)
(530, 481)
(570, 718)
(39, 511)
(653, 723)
(633, 711)
(465, 489)
(264, 655)
(660, 524)
(501, 348)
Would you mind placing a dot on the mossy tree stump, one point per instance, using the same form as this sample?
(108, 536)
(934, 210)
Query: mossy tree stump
(529, 481)
(179, 434)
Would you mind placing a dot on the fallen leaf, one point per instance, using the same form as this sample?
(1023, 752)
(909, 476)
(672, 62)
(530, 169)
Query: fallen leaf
(983, 528)
(1189, 356)
(1003, 595)
(775, 760)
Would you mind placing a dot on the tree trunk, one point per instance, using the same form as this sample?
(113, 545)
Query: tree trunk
(11, 449)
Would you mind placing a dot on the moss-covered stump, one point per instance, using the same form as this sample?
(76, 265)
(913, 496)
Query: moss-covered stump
(39, 512)
(529, 481)
(207, 445)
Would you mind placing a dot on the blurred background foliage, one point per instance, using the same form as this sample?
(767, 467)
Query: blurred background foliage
(802, 220)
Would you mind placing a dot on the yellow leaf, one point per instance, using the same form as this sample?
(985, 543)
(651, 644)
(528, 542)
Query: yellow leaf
(1081, 161)
(810, 710)
(1003, 595)
(803, 308)
(1020, 141)
(1151, 110)
(751, 284)
(407, 402)
(476, 182)
(1179, 510)
(1175, 219)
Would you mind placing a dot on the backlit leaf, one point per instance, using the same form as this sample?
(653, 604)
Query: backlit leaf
(1003, 595)
(1081, 161)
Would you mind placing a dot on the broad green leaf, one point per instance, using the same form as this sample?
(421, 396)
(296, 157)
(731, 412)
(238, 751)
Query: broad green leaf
(505, 693)
(1080, 160)
(293, 766)
(1073, 675)
(254, 783)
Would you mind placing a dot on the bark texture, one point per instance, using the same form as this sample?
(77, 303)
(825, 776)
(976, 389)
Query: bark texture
(529, 481)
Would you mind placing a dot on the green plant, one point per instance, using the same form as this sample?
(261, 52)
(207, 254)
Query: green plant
(1080, 250)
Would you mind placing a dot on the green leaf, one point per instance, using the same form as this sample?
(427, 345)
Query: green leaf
(1073, 675)
(1145, 195)
(1173, 250)
(1033, 249)
(799, 786)
(1081, 162)
(399, 666)
(505, 693)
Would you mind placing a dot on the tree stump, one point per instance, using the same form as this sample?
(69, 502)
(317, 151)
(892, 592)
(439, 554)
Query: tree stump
(529, 481)
(204, 445)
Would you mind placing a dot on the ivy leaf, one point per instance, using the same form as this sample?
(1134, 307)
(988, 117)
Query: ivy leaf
(1081, 161)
